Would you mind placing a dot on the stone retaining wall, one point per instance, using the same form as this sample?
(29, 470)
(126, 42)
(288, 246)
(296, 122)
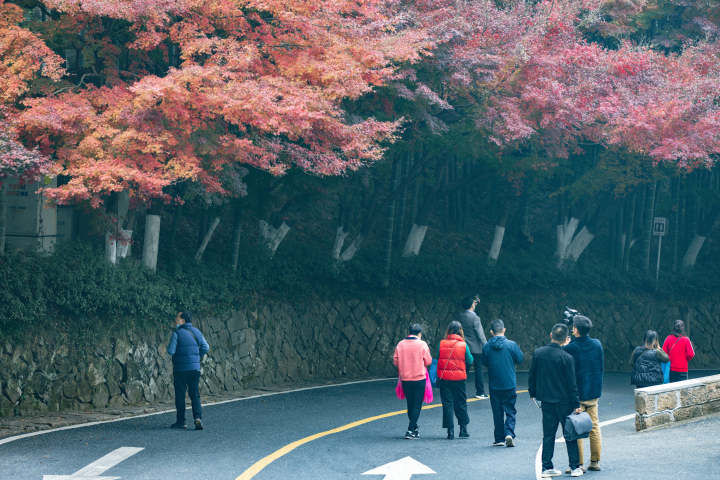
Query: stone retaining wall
(277, 341)
(674, 402)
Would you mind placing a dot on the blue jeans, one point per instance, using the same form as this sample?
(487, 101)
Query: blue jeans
(502, 403)
(187, 382)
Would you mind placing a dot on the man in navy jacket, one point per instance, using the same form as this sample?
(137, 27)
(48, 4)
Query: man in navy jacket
(187, 347)
(589, 366)
(500, 355)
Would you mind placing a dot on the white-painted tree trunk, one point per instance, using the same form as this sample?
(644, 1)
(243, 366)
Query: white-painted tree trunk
(496, 245)
(273, 236)
(110, 248)
(206, 239)
(564, 236)
(340, 236)
(691, 254)
(352, 249)
(414, 241)
(123, 243)
(579, 243)
(152, 241)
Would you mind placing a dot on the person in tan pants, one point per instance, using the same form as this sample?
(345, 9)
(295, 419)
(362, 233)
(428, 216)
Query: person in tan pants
(589, 368)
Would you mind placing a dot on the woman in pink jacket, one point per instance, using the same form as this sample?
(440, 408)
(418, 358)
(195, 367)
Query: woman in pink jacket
(412, 357)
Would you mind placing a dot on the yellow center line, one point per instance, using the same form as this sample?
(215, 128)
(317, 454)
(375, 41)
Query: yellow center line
(258, 466)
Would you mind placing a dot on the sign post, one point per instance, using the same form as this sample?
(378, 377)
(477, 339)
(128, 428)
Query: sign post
(658, 230)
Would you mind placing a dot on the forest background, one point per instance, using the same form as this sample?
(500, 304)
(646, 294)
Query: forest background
(358, 148)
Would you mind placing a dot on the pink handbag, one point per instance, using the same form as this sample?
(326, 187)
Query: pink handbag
(428, 398)
(399, 390)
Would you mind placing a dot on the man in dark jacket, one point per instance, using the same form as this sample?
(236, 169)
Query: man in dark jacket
(187, 347)
(475, 339)
(589, 366)
(500, 356)
(552, 381)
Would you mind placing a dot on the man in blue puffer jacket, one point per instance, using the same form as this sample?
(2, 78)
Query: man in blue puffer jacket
(500, 355)
(187, 347)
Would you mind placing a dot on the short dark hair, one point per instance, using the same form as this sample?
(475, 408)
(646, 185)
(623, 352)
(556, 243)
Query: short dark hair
(583, 324)
(187, 316)
(678, 328)
(415, 328)
(559, 332)
(497, 325)
(468, 301)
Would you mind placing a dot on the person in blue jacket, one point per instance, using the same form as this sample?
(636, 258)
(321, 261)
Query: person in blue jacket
(187, 347)
(500, 355)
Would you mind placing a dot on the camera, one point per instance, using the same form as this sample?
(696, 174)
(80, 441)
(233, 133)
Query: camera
(569, 315)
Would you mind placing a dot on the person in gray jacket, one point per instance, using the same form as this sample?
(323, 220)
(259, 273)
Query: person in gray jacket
(475, 339)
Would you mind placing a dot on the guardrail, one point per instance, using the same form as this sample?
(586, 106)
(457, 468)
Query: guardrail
(674, 402)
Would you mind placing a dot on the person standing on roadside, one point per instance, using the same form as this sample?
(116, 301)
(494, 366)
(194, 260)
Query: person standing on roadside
(589, 368)
(453, 358)
(680, 350)
(646, 361)
(187, 347)
(475, 338)
(552, 381)
(500, 356)
(412, 357)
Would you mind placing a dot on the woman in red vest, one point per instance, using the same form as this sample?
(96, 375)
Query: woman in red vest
(680, 350)
(452, 360)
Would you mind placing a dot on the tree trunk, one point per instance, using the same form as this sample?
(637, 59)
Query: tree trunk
(579, 243)
(237, 236)
(564, 236)
(273, 236)
(110, 248)
(675, 219)
(206, 239)
(648, 226)
(152, 241)
(3, 215)
(391, 225)
(414, 240)
(494, 252)
(691, 254)
(628, 243)
(340, 236)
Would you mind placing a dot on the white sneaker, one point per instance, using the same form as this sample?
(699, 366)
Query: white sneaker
(578, 472)
(550, 472)
(481, 397)
(498, 444)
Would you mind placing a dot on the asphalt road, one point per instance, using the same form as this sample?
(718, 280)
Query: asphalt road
(239, 434)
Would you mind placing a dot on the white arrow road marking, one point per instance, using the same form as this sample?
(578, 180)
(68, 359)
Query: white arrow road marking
(401, 469)
(99, 466)
(538, 455)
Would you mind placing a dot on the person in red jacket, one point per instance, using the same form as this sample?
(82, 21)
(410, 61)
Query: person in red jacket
(680, 350)
(453, 357)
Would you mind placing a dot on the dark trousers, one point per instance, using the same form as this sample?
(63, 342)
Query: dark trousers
(414, 394)
(187, 382)
(477, 363)
(678, 376)
(454, 399)
(502, 403)
(554, 414)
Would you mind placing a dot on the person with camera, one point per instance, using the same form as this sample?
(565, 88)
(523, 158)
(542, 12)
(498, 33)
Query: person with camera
(500, 356)
(552, 381)
(475, 338)
(412, 357)
(187, 347)
(589, 360)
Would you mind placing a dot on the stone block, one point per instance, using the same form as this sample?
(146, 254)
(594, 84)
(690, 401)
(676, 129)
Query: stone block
(693, 396)
(100, 396)
(667, 401)
(657, 419)
(644, 404)
(713, 392)
(683, 413)
(639, 422)
(711, 407)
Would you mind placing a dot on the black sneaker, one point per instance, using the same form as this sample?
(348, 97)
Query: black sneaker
(409, 435)
(450, 434)
(179, 426)
(415, 434)
(463, 432)
(198, 424)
